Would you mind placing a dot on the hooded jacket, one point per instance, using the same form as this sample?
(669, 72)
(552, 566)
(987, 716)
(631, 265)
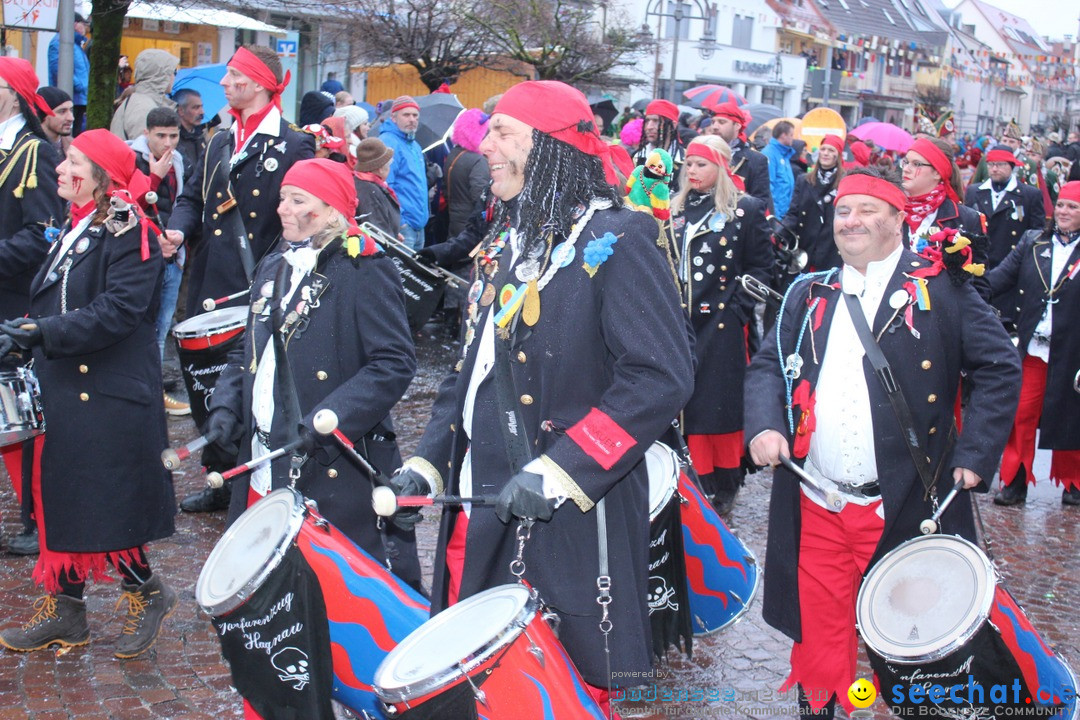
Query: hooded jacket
(781, 179)
(154, 73)
(408, 175)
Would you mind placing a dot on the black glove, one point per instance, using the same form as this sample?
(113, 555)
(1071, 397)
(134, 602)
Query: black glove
(426, 256)
(23, 331)
(408, 482)
(224, 424)
(6, 345)
(523, 497)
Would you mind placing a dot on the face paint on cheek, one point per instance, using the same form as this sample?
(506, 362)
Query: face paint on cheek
(76, 184)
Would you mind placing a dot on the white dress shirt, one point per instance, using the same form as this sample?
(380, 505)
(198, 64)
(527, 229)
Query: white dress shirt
(1059, 256)
(842, 445)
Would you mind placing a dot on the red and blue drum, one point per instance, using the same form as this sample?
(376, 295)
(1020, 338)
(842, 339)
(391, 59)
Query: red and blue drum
(722, 573)
(368, 610)
(933, 614)
(203, 345)
(491, 657)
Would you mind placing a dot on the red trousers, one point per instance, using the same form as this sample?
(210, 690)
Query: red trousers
(1020, 450)
(834, 552)
(710, 452)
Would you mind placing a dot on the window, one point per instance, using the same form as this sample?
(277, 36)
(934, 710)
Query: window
(773, 96)
(742, 32)
(682, 9)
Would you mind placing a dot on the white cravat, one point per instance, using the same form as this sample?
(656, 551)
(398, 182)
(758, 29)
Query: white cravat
(1059, 256)
(842, 445)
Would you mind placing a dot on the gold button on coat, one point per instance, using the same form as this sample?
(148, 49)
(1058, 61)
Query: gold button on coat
(84, 396)
(931, 398)
(332, 472)
(84, 369)
(520, 357)
(255, 192)
(926, 364)
(321, 375)
(526, 399)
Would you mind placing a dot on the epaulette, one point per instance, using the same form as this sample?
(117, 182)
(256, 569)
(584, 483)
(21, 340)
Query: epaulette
(296, 128)
(28, 181)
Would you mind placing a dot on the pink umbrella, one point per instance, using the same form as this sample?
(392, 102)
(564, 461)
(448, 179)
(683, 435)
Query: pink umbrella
(706, 96)
(884, 135)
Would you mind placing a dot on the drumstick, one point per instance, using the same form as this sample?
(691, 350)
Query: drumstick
(171, 458)
(216, 479)
(325, 422)
(210, 303)
(386, 503)
(831, 499)
(931, 525)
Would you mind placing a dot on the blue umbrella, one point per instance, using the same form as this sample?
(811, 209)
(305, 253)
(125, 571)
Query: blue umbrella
(867, 119)
(368, 108)
(205, 80)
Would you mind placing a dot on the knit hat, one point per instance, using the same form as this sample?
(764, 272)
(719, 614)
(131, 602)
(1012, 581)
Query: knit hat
(403, 102)
(53, 96)
(372, 154)
(354, 117)
(469, 129)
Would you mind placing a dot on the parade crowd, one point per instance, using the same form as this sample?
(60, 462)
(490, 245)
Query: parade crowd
(881, 326)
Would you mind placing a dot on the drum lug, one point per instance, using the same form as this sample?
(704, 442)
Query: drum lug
(480, 695)
(317, 520)
(536, 651)
(553, 620)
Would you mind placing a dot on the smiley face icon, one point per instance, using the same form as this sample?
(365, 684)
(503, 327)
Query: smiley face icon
(862, 693)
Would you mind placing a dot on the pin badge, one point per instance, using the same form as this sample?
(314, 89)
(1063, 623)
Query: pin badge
(80, 247)
(898, 299)
(475, 290)
(270, 164)
(717, 222)
(793, 366)
(563, 254)
(698, 261)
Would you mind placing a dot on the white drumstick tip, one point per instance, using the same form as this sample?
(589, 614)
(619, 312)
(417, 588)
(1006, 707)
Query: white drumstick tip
(325, 422)
(927, 527)
(384, 501)
(151, 197)
(170, 459)
(214, 480)
(209, 304)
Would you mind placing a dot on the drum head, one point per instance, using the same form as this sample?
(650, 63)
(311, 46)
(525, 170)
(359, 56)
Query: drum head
(663, 466)
(249, 551)
(925, 598)
(467, 634)
(212, 322)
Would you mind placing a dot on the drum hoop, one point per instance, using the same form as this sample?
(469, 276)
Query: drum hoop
(184, 330)
(442, 678)
(870, 583)
(245, 591)
(672, 487)
(747, 602)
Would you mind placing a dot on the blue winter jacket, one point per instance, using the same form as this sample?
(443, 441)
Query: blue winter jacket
(781, 179)
(82, 68)
(408, 175)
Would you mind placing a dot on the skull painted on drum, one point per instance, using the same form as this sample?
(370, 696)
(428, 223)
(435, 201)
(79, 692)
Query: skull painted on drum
(292, 666)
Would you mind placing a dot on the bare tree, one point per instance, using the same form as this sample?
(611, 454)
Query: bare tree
(933, 100)
(107, 19)
(431, 35)
(576, 41)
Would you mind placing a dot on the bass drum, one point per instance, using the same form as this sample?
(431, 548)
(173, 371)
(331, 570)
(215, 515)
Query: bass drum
(932, 611)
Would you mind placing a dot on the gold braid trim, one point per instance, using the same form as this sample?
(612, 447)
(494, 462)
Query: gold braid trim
(571, 488)
(428, 470)
(12, 160)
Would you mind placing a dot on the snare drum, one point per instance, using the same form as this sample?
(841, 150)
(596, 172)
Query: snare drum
(368, 610)
(931, 611)
(669, 611)
(20, 406)
(203, 345)
(722, 573)
(490, 656)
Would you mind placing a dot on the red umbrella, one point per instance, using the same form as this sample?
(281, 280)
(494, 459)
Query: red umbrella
(884, 135)
(706, 96)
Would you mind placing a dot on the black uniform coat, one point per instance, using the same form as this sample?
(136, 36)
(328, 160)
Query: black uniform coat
(255, 182)
(753, 167)
(1060, 423)
(719, 309)
(377, 206)
(810, 217)
(355, 356)
(23, 219)
(1020, 210)
(612, 347)
(103, 487)
(959, 332)
(971, 224)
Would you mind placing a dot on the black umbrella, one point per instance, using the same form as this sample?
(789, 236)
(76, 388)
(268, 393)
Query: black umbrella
(641, 104)
(761, 114)
(438, 112)
(605, 108)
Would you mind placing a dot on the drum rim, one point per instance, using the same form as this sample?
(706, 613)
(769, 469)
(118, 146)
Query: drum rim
(182, 333)
(464, 666)
(673, 487)
(980, 617)
(272, 561)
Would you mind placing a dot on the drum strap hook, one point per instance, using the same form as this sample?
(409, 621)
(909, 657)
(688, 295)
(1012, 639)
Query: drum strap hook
(517, 565)
(295, 463)
(603, 586)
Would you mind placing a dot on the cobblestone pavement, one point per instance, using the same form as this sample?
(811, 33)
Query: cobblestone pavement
(183, 676)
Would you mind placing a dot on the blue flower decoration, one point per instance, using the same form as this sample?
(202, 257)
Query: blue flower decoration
(52, 234)
(921, 244)
(597, 251)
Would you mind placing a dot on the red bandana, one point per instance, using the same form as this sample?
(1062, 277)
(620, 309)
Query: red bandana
(940, 161)
(919, 207)
(703, 150)
(249, 64)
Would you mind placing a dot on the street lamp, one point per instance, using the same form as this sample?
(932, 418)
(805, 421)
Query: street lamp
(698, 10)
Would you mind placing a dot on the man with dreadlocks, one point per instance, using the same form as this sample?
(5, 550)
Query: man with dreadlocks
(575, 360)
(660, 132)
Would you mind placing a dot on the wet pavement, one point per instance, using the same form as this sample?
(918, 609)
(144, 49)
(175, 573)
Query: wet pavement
(183, 676)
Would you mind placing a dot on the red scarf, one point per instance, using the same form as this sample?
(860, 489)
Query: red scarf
(244, 130)
(78, 214)
(918, 207)
(373, 178)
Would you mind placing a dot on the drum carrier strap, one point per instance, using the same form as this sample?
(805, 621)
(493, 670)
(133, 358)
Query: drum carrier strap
(896, 397)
